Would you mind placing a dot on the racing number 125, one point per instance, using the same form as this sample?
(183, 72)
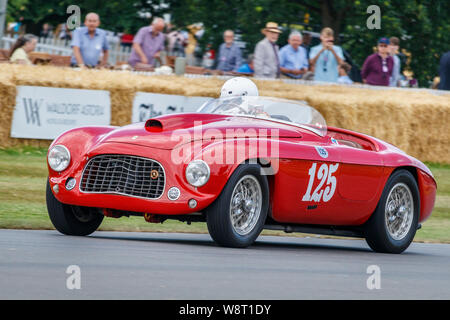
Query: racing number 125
(325, 175)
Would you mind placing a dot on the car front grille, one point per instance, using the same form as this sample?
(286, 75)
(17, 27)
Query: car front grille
(125, 175)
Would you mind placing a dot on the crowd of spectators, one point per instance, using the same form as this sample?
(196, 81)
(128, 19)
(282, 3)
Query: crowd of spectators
(324, 62)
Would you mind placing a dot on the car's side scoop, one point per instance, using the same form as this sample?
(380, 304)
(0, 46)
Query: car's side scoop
(180, 121)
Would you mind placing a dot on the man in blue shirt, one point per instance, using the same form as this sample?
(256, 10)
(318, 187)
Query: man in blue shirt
(293, 57)
(326, 57)
(89, 42)
(230, 55)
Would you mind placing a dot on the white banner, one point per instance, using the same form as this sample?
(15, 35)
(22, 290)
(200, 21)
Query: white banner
(45, 113)
(149, 105)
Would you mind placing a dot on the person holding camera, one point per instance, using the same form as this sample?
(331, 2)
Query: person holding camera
(326, 57)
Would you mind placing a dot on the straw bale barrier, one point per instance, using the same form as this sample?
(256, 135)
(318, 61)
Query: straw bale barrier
(416, 122)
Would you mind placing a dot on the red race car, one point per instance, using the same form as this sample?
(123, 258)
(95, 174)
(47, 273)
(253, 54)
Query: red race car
(243, 164)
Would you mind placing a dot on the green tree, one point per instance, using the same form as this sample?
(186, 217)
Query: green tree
(115, 15)
(422, 25)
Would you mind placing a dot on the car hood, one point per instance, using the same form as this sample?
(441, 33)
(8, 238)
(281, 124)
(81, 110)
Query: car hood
(170, 131)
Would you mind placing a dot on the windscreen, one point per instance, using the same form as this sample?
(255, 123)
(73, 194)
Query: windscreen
(285, 111)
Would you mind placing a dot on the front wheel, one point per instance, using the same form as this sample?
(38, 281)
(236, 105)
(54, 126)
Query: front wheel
(238, 215)
(72, 220)
(393, 225)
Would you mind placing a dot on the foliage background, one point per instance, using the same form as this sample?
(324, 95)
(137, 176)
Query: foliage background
(423, 25)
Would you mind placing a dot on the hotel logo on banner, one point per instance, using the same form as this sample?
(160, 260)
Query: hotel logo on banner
(149, 105)
(45, 113)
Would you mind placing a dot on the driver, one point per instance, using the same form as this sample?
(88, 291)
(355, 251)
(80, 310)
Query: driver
(238, 87)
(241, 87)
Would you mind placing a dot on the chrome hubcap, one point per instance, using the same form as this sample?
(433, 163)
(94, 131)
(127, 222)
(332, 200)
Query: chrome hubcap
(399, 211)
(245, 205)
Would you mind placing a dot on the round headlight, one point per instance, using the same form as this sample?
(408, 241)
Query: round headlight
(59, 158)
(197, 173)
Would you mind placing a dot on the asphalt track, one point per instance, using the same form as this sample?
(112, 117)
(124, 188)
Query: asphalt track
(116, 265)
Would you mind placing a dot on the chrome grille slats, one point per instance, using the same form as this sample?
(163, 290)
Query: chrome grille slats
(123, 174)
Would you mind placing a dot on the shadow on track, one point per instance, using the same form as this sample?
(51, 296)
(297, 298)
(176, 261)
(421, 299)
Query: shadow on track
(261, 244)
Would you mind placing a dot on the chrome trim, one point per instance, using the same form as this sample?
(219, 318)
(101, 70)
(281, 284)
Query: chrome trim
(68, 152)
(207, 167)
(121, 193)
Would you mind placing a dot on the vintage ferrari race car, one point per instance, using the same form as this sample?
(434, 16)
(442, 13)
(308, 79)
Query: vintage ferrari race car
(241, 165)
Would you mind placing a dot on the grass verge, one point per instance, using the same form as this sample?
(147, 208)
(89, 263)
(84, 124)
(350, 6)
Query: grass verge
(23, 175)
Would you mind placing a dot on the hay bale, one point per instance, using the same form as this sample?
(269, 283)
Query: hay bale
(416, 122)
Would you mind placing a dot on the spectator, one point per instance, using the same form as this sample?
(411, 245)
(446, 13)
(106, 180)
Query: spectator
(293, 57)
(230, 56)
(46, 31)
(89, 43)
(148, 43)
(63, 33)
(326, 57)
(209, 57)
(444, 71)
(21, 48)
(126, 40)
(266, 63)
(378, 67)
(247, 67)
(176, 43)
(195, 32)
(306, 43)
(344, 69)
(394, 45)
(16, 28)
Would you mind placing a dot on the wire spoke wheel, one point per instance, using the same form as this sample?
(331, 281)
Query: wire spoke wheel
(399, 211)
(245, 205)
(236, 218)
(393, 224)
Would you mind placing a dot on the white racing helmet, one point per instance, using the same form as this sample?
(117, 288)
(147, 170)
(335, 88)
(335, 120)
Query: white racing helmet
(237, 87)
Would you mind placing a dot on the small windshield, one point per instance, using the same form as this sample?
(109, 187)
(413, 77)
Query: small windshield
(286, 111)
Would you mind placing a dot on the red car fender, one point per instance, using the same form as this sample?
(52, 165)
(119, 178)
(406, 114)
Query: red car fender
(78, 141)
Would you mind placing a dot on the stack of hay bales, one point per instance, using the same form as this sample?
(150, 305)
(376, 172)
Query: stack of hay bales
(417, 122)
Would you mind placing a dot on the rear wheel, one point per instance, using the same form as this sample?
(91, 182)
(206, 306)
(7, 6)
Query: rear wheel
(72, 220)
(238, 215)
(393, 225)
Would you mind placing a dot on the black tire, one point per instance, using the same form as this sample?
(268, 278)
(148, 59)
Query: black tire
(65, 220)
(218, 215)
(376, 232)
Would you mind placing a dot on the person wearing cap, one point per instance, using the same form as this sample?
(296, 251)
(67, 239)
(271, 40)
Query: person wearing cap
(378, 67)
(266, 62)
(326, 57)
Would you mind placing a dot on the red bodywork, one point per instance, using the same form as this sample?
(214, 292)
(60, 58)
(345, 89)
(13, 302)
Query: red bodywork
(361, 164)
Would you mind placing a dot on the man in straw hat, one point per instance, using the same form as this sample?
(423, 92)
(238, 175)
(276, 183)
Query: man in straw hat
(266, 62)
